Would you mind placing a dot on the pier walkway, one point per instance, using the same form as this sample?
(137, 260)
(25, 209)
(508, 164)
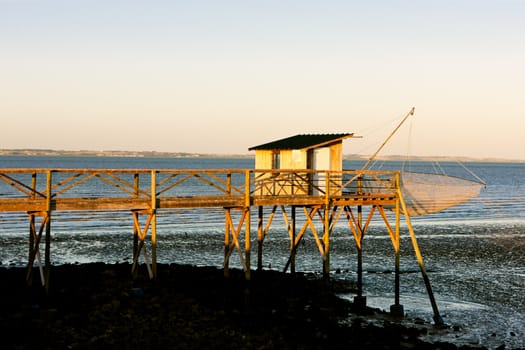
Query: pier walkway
(319, 195)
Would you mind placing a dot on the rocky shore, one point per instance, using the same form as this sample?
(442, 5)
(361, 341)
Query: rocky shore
(100, 306)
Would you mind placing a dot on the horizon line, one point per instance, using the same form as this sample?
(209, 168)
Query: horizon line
(348, 156)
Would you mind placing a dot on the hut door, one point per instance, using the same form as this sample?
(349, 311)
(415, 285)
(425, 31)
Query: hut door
(321, 161)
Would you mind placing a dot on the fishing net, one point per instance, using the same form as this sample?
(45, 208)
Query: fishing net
(431, 193)
(426, 193)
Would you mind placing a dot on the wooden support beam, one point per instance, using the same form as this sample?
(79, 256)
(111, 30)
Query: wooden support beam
(142, 233)
(396, 309)
(437, 316)
(260, 237)
(227, 230)
(20, 186)
(300, 236)
(352, 223)
(358, 231)
(262, 233)
(391, 232)
(247, 227)
(154, 223)
(398, 252)
(318, 241)
(49, 195)
(326, 228)
(34, 248)
(292, 240)
(135, 214)
(290, 228)
(230, 245)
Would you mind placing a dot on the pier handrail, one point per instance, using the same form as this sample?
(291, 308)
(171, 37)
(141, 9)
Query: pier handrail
(177, 187)
(315, 182)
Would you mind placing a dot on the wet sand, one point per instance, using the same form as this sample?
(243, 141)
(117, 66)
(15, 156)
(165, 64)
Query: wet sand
(100, 306)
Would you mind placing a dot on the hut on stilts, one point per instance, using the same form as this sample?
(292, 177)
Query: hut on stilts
(305, 172)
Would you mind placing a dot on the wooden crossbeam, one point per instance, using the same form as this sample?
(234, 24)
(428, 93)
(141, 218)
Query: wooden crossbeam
(117, 182)
(300, 235)
(357, 230)
(318, 241)
(70, 180)
(142, 233)
(234, 243)
(34, 252)
(227, 189)
(355, 177)
(20, 186)
(391, 232)
(269, 222)
(174, 184)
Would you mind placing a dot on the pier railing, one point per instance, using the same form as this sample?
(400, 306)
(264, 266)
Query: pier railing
(120, 189)
(323, 183)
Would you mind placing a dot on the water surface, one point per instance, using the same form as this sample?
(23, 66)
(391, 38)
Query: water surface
(474, 253)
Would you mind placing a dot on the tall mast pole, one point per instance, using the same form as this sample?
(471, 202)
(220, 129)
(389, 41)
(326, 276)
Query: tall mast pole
(387, 139)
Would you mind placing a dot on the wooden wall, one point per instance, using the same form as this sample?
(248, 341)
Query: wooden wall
(298, 159)
(293, 159)
(336, 157)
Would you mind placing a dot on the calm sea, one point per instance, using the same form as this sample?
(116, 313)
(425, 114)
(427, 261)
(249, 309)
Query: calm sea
(474, 252)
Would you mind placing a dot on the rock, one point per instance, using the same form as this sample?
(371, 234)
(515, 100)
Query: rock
(187, 307)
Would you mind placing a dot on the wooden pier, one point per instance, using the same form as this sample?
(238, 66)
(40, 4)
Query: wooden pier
(328, 196)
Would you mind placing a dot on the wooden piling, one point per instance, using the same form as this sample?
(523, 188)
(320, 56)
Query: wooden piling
(260, 237)
(437, 316)
(154, 223)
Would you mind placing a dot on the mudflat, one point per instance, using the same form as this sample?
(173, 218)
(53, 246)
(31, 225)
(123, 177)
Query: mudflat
(102, 306)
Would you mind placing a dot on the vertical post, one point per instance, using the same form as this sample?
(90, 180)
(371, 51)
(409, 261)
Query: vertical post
(398, 257)
(360, 300)
(136, 215)
(326, 235)
(397, 309)
(398, 243)
(260, 238)
(34, 240)
(154, 222)
(32, 246)
(293, 248)
(247, 236)
(48, 227)
(360, 251)
(360, 245)
(32, 228)
(226, 264)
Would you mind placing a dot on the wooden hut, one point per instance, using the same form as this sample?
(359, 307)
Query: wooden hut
(312, 152)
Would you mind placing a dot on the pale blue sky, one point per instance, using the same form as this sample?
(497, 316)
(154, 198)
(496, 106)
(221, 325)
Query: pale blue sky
(221, 76)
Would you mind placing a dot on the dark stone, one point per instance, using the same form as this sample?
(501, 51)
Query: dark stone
(99, 306)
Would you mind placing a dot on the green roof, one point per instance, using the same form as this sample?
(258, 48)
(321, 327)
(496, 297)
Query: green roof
(302, 141)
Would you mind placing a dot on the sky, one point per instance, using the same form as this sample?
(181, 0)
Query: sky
(220, 76)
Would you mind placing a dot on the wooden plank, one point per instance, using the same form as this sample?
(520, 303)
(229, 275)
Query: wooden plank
(140, 199)
(28, 204)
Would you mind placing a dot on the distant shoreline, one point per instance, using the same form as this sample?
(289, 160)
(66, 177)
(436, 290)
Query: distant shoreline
(156, 154)
(139, 154)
